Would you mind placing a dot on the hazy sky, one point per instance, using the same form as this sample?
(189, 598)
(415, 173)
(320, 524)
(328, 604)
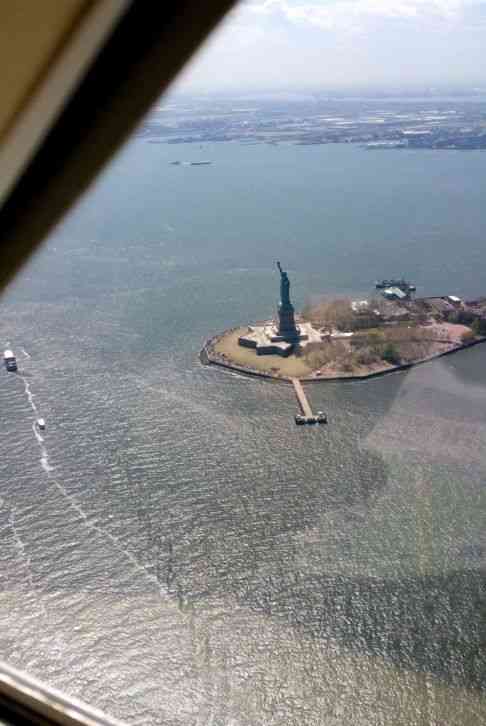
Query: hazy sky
(298, 44)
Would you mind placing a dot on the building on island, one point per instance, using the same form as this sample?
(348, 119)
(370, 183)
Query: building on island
(280, 338)
(360, 307)
(394, 293)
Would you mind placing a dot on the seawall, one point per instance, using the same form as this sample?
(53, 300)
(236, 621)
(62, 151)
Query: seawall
(208, 357)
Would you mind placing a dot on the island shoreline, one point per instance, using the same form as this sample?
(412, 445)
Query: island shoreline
(206, 357)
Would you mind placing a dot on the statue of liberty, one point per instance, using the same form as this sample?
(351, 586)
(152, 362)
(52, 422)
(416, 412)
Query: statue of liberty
(284, 286)
(287, 328)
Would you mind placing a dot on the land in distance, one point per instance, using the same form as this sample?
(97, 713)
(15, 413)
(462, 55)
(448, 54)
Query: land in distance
(388, 123)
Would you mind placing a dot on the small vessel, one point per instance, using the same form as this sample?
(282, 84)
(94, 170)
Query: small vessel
(401, 284)
(41, 424)
(200, 163)
(10, 360)
(319, 418)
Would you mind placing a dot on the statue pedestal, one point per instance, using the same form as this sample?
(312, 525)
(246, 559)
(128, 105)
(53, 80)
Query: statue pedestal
(266, 339)
(287, 328)
(293, 337)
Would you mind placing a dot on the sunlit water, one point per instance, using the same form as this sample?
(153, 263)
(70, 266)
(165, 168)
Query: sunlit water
(173, 549)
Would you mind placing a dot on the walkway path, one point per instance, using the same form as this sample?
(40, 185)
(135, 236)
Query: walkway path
(302, 398)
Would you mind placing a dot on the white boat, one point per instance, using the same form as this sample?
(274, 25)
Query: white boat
(41, 424)
(10, 361)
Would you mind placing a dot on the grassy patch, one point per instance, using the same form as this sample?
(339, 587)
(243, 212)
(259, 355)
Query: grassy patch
(228, 346)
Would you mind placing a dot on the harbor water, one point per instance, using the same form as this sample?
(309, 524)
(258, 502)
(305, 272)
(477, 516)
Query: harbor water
(174, 550)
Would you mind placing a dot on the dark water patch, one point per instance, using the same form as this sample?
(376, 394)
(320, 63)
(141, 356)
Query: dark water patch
(434, 624)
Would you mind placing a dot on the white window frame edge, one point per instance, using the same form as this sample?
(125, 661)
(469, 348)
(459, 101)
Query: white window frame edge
(48, 100)
(47, 703)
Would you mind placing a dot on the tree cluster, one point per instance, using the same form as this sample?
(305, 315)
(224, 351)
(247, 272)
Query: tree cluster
(479, 326)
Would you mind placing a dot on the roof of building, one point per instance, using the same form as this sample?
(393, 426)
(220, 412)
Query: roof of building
(359, 305)
(395, 291)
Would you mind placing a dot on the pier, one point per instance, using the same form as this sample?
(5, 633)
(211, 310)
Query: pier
(307, 416)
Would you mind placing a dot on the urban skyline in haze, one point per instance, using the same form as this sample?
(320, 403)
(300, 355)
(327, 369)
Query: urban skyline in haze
(285, 45)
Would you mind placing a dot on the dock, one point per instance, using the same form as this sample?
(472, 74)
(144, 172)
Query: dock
(302, 398)
(307, 416)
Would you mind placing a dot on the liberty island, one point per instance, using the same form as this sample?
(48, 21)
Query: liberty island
(345, 339)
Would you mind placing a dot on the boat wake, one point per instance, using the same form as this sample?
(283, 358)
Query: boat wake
(44, 460)
(24, 557)
(45, 464)
(30, 395)
(88, 523)
(40, 439)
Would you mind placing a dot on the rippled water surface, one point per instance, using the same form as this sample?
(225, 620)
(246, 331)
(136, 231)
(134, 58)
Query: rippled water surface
(173, 549)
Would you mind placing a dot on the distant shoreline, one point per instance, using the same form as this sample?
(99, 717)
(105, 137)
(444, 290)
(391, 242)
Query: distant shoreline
(452, 123)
